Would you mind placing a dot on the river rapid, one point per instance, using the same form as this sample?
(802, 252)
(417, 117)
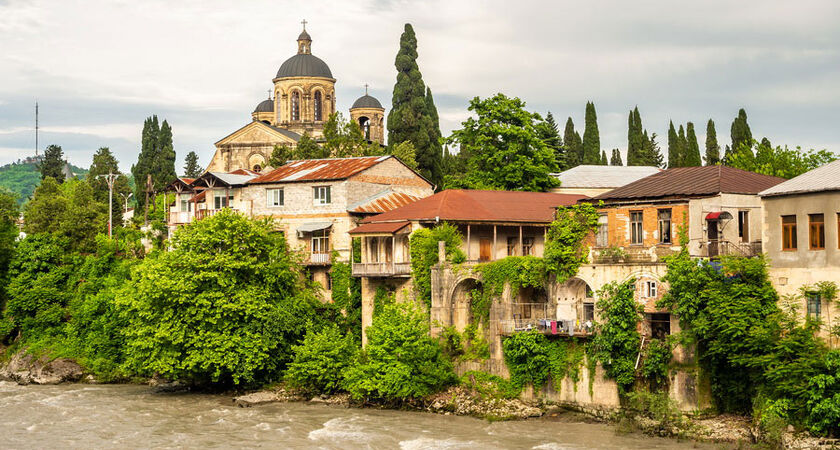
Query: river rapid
(127, 416)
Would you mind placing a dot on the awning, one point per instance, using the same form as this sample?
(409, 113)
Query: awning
(379, 228)
(722, 215)
(313, 226)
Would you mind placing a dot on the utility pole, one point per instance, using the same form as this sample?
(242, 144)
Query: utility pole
(146, 209)
(110, 178)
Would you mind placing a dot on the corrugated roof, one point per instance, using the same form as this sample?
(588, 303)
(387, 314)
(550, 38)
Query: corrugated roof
(482, 206)
(382, 227)
(603, 176)
(823, 178)
(232, 178)
(693, 182)
(319, 169)
(382, 202)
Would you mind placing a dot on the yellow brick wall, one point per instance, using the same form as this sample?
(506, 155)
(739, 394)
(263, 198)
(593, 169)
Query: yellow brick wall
(618, 223)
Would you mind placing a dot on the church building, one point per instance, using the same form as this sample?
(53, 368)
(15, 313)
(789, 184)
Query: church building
(303, 99)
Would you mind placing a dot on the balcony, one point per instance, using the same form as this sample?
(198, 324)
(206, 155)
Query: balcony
(319, 259)
(382, 269)
(180, 217)
(716, 248)
(539, 317)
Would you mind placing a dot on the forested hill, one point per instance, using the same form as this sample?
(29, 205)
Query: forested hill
(23, 177)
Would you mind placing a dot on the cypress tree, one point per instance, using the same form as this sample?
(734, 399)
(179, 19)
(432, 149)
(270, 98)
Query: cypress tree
(410, 118)
(191, 167)
(692, 154)
(635, 140)
(53, 163)
(572, 145)
(550, 134)
(615, 159)
(156, 158)
(712, 147)
(682, 146)
(653, 155)
(434, 131)
(165, 166)
(740, 131)
(604, 161)
(591, 137)
(673, 147)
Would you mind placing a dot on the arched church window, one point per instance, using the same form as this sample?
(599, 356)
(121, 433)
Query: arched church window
(295, 105)
(318, 113)
(364, 124)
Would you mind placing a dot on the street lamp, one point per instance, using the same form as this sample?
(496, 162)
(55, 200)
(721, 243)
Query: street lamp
(110, 178)
(126, 197)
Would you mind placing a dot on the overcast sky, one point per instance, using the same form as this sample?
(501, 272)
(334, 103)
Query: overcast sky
(98, 69)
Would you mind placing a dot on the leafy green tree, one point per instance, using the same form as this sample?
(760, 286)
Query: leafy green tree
(281, 154)
(615, 159)
(343, 138)
(8, 234)
(504, 148)
(550, 134)
(307, 148)
(423, 247)
(779, 161)
(156, 158)
(191, 167)
(401, 361)
(712, 147)
(53, 163)
(405, 152)
(652, 156)
(566, 247)
(223, 305)
(572, 145)
(617, 339)
(104, 163)
(692, 155)
(411, 118)
(591, 137)
(319, 362)
(68, 210)
(740, 132)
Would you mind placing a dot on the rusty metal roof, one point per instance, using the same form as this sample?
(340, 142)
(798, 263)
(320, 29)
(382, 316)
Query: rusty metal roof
(319, 169)
(382, 202)
(375, 228)
(481, 206)
(686, 182)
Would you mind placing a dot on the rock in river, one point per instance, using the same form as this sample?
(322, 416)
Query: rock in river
(24, 368)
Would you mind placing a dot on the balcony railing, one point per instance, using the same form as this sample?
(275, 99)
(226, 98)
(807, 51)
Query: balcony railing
(179, 217)
(539, 317)
(319, 258)
(381, 269)
(715, 248)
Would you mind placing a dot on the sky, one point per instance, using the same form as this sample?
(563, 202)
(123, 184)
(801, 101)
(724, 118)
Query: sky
(99, 68)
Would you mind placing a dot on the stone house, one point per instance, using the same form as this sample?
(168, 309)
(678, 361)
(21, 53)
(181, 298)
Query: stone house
(801, 237)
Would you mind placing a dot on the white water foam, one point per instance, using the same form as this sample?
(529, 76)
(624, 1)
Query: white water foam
(340, 429)
(429, 443)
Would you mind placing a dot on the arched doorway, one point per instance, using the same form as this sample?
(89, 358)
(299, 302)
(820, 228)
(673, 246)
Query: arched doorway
(461, 302)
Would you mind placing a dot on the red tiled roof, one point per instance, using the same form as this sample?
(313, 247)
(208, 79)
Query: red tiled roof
(693, 182)
(482, 206)
(383, 227)
(188, 180)
(385, 203)
(319, 169)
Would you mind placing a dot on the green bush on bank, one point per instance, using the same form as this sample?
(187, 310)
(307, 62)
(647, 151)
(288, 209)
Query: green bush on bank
(319, 362)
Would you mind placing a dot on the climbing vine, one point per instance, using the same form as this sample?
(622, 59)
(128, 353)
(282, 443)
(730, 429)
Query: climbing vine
(424, 255)
(518, 271)
(566, 247)
(534, 359)
(617, 339)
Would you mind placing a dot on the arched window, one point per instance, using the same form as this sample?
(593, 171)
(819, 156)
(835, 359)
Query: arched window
(364, 124)
(295, 105)
(318, 114)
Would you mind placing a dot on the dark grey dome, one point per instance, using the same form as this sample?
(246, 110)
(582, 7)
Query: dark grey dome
(265, 106)
(304, 36)
(304, 65)
(366, 101)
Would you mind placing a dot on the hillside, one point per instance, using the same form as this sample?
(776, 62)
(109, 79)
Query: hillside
(23, 177)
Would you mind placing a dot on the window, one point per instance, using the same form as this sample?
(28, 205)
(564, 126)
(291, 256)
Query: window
(602, 238)
(220, 200)
(649, 289)
(588, 292)
(788, 232)
(373, 249)
(274, 197)
(816, 231)
(295, 105)
(186, 206)
(744, 226)
(664, 216)
(635, 227)
(527, 246)
(318, 114)
(814, 303)
(511, 246)
(320, 241)
(589, 312)
(329, 281)
(660, 325)
(322, 195)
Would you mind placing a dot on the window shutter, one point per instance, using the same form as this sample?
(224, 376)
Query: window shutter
(329, 199)
(268, 197)
(281, 194)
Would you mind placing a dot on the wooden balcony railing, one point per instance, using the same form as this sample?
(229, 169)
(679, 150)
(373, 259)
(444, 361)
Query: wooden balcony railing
(382, 269)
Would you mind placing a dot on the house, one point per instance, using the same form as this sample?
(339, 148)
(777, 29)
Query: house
(313, 202)
(595, 180)
(801, 238)
(494, 225)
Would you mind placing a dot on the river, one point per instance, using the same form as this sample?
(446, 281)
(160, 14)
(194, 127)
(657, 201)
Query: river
(128, 416)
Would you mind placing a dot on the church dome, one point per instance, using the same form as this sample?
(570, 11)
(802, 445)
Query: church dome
(265, 106)
(366, 101)
(304, 65)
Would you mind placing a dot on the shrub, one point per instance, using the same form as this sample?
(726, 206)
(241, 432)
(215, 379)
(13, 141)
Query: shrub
(490, 386)
(657, 357)
(424, 255)
(617, 340)
(401, 360)
(319, 362)
(527, 356)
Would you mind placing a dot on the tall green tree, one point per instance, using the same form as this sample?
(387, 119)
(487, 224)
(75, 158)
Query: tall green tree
(652, 153)
(8, 235)
(505, 150)
(674, 157)
(572, 145)
(343, 138)
(550, 134)
(104, 162)
(604, 160)
(410, 118)
(712, 147)
(692, 154)
(67, 211)
(435, 136)
(615, 159)
(779, 161)
(740, 132)
(53, 163)
(157, 158)
(591, 137)
(405, 152)
(635, 140)
(191, 167)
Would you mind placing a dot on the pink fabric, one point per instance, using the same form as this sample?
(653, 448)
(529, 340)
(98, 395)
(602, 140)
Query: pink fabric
(553, 327)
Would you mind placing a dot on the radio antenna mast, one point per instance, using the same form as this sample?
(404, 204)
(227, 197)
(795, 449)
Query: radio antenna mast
(36, 128)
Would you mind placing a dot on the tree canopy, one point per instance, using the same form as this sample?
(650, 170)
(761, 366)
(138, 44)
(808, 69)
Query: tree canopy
(67, 211)
(156, 158)
(53, 163)
(191, 167)
(104, 163)
(591, 137)
(777, 161)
